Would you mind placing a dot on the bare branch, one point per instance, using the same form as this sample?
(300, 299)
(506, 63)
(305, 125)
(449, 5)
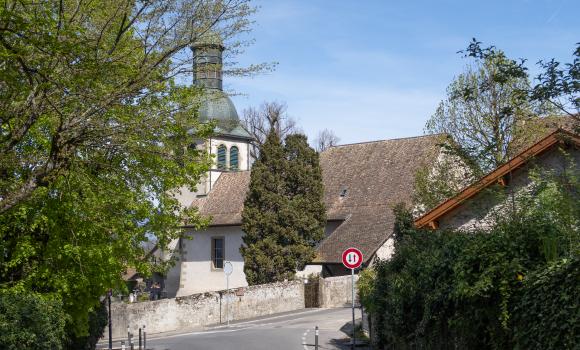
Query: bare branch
(325, 139)
(270, 115)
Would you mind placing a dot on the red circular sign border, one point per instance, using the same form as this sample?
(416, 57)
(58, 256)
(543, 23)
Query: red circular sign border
(352, 249)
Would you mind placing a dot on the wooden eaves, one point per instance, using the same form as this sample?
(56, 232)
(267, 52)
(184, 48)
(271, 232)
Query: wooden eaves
(430, 219)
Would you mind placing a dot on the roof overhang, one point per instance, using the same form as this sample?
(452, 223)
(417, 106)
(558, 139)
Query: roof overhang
(430, 219)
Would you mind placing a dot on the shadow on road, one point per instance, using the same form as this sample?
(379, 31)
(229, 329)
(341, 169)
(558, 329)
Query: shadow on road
(345, 342)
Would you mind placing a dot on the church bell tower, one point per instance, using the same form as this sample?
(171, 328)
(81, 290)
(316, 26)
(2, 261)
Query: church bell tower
(230, 144)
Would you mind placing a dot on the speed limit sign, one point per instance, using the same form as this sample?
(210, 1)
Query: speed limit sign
(352, 258)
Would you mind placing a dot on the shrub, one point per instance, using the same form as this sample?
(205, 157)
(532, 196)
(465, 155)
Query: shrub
(546, 314)
(478, 290)
(30, 321)
(98, 320)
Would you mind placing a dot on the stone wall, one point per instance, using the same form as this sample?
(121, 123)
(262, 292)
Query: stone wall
(336, 291)
(199, 310)
(493, 203)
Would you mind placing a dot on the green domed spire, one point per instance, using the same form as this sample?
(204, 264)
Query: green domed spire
(207, 72)
(218, 106)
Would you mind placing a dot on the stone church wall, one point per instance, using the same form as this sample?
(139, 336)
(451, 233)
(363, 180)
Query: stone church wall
(199, 310)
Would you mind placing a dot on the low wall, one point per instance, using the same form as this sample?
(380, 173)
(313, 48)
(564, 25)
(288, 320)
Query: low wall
(336, 291)
(198, 310)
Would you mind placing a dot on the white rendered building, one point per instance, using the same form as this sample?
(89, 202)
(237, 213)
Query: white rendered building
(202, 255)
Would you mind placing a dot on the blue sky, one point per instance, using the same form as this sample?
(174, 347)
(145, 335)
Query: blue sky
(371, 70)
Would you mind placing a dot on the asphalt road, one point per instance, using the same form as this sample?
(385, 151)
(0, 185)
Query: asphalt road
(294, 331)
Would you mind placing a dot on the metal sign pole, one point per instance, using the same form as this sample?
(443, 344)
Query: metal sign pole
(228, 299)
(351, 259)
(228, 269)
(353, 326)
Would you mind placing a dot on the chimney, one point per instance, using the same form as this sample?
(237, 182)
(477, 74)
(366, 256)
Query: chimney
(207, 61)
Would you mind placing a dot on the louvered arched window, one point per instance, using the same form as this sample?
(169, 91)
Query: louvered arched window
(221, 157)
(234, 158)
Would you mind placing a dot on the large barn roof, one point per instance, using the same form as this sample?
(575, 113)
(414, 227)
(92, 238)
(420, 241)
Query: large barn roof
(362, 183)
(376, 176)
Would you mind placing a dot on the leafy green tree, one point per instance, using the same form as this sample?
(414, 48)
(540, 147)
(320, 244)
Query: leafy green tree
(484, 110)
(91, 123)
(560, 85)
(491, 113)
(557, 87)
(283, 217)
(98, 320)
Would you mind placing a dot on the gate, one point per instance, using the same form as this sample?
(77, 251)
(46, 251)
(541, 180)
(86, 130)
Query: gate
(311, 293)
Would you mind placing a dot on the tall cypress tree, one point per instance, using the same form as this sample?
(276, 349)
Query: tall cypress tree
(283, 217)
(306, 215)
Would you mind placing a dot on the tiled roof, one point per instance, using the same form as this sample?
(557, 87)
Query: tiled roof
(376, 176)
(371, 176)
(547, 142)
(225, 201)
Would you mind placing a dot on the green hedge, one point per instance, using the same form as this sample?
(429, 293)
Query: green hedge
(30, 321)
(547, 313)
(498, 289)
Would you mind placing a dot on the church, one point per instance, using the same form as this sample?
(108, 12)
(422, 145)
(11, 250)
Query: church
(362, 183)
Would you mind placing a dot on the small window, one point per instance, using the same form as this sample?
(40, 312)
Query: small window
(221, 157)
(343, 192)
(217, 253)
(234, 158)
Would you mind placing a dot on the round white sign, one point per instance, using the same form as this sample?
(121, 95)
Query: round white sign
(228, 268)
(352, 258)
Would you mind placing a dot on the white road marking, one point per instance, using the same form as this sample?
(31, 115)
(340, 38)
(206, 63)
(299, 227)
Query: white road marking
(270, 318)
(304, 344)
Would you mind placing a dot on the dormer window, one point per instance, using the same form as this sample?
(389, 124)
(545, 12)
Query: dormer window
(221, 157)
(234, 158)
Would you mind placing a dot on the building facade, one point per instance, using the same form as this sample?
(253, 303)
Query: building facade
(479, 205)
(362, 183)
(200, 257)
